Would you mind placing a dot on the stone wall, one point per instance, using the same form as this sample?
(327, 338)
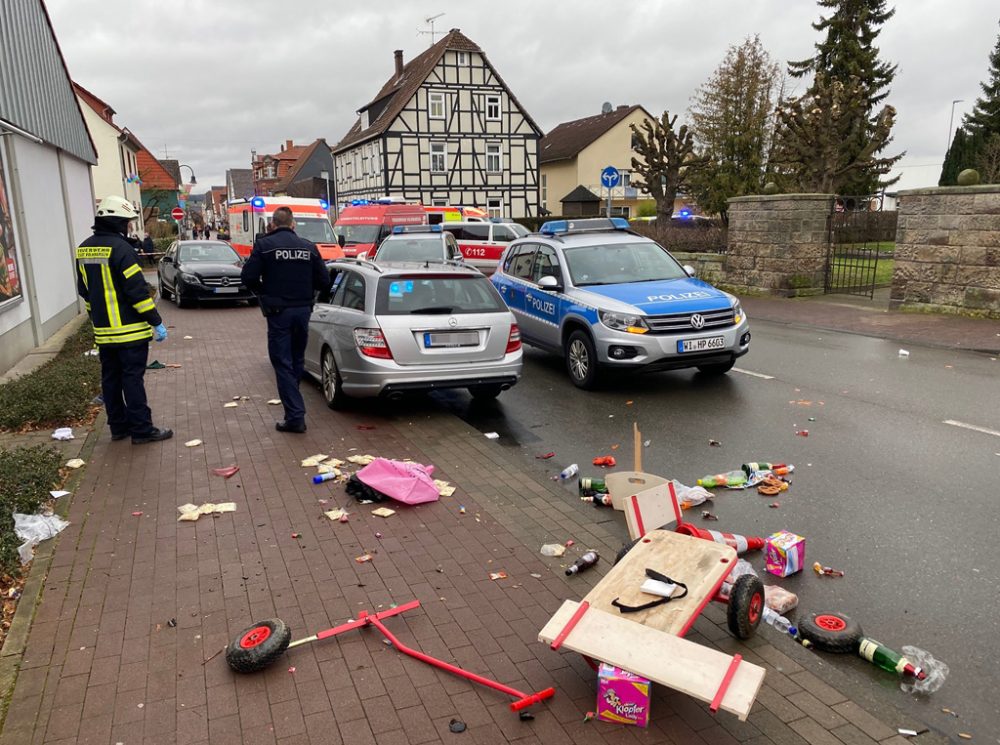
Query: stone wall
(778, 244)
(948, 251)
(707, 266)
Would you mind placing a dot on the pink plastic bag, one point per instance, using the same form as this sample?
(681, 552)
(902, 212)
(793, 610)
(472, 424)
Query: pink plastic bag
(410, 483)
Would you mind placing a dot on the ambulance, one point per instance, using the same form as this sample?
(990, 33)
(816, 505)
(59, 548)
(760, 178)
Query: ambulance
(249, 218)
(363, 225)
(454, 213)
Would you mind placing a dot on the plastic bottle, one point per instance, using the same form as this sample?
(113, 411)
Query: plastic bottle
(881, 656)
(321, 477)
(779, 622)
(586, 561)
(591, 484)
(730, 478)
(749, 468)
(569, 472)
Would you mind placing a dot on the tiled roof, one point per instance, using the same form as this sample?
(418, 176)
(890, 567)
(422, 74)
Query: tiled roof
(307, 152)
(569, 138)
(103, 108)
(153, 173)
(397, 91)
(242, 182)
(173, 167)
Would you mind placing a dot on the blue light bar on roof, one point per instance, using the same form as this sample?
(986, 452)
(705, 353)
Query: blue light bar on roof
(324, 204)
(557, 227)
(416, 229)
(258, 203)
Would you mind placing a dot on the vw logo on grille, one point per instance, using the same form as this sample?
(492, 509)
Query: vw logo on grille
(225, 282)
(453, 322)
(698, 321)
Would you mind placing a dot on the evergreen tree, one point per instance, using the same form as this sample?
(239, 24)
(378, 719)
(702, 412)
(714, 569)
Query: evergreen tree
(985, 116)
(848, 52)
(962, 154)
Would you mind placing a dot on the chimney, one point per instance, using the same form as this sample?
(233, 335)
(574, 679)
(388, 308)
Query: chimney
(288, 145)
(398, 57)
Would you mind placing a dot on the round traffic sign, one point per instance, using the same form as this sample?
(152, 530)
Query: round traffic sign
(610, 177)
(177, 213)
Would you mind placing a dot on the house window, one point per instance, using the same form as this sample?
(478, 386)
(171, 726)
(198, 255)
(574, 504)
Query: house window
(348, 170)
(364, 119)
(494, 207)
(436, 105)
(440, 202)
(463, 59)
(439, 155)
(493, 108)
(625, 212)
(626, 179)
(364, 164)
(545, 189)
(493, 159)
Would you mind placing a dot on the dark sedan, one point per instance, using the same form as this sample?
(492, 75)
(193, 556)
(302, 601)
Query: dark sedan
(201, 270)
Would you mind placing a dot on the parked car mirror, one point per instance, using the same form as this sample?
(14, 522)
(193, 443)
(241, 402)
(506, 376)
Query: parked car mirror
(549, 284)
(689, 270)
(363, 256)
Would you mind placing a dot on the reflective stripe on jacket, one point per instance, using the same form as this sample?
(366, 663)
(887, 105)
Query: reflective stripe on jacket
(114, 291)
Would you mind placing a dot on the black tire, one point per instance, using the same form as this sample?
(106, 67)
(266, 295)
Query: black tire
(253, 302)
(831, 632)
(178, 294)
(258, 646)
(485, 392)
(330, 382)
(624, 550)
(746, 606)
(164, 292)
(720, 369)
(581, 360)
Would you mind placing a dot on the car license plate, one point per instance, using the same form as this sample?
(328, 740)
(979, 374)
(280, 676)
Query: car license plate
(701, 345)
(224, 290)
(451, 339)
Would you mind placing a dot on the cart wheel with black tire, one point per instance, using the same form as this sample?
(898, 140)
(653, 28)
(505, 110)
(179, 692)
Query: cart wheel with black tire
(831, 632)
(258, 646)
(746, 606)
(624, 550)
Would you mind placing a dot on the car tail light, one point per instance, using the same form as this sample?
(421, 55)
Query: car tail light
(514, 340)
(372, 343)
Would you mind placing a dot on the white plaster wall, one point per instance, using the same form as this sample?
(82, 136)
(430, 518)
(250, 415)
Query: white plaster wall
(80, 203)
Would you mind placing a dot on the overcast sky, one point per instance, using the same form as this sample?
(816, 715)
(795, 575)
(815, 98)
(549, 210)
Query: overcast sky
(209, 81)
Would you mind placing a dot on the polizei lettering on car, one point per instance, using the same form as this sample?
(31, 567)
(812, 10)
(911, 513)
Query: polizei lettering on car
(297, 254)
(698, 295)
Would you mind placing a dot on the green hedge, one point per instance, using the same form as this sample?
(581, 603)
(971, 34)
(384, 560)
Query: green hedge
(26, 476)
(162, 244)
(58, 392)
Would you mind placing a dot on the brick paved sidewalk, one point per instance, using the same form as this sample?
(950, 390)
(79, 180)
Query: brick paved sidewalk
(102, 663)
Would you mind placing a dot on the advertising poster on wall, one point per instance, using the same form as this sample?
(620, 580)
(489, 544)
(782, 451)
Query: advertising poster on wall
(10, 283)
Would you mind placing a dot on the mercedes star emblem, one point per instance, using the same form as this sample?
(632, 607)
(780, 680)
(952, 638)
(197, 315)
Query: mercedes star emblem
(453, 322)
(225, 283)
(698, 321)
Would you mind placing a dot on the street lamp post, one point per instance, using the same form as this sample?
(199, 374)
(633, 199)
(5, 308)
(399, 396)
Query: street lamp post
(951, 120)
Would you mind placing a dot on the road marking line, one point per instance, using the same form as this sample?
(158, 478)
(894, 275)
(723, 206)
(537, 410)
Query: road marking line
(754, 374)
(973, 427)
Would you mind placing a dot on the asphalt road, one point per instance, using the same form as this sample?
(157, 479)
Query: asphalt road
(904, 503)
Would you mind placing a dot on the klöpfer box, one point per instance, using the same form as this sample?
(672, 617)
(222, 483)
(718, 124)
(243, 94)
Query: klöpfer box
(622, 697)
(785, 553)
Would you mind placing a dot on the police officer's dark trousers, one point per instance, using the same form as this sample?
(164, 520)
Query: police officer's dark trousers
(122, 371)
(286, 346)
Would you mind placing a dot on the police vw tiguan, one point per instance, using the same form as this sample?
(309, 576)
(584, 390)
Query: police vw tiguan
(605, 297)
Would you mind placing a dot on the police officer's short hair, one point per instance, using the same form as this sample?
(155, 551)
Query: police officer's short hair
(282, 217)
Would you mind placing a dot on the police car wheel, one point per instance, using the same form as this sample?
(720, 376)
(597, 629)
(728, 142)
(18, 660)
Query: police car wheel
(716, 369)
(332, 386)
(581, 360)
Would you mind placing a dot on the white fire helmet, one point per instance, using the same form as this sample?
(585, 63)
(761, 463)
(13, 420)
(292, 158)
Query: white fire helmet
(115, 206)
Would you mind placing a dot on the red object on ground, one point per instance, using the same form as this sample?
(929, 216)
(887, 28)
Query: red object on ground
(741, 543)
(546, 456)
(227, 471)
(608, 461)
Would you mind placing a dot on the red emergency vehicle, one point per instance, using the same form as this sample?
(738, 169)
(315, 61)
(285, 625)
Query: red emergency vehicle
(364, 225)
(249, 218)
(454, 213)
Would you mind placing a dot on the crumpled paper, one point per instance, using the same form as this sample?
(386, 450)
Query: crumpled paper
(63, 433)
(33, 529)
(191, 512)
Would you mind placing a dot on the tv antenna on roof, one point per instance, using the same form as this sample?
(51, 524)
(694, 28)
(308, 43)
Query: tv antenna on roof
(606, 107)
(430, 22)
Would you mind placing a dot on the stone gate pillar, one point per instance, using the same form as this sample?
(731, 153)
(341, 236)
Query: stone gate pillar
(778, 244)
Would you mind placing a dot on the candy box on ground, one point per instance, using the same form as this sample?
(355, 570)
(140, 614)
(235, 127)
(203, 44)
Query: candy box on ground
(622, 697)
(786, 553)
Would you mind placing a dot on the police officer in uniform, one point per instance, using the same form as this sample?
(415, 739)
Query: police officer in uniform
(285, 272)
(110, 281)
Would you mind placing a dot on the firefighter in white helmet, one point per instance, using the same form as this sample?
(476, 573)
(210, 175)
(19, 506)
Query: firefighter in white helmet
(124, 317)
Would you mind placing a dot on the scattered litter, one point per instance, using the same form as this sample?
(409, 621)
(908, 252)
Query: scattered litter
(779, 599)
(33, 529)
(707, 515)
(569, 543)
(296, 535)
(192, 443)
(363, 558)
(690, 496)
(588, 716)
(498, 575)
(291, 669)
(226, 471)
(75, 463)
(628, 403)
(378, 535)
(173, 365)
(327, 475)
(949, 711)
(646, 443)
(615, 447)
(801, 403)
(552, 549)
(732, 479)
(936, 671)
(172, 623)
(771, 485)
(191, 512)
(337, 514)
(137, 513)
(383, 512)
(812, 419)
(525, 716)
(461, 510)
(230, 405)
(188, 338)
(826, 571)
(605, 461)
(314, 460)
(911, 732)
(904, 353)
(586, 561)
(274, 402)
(140, 706)
(536, 575)
(456, 726)
(545, 456)
(569, 472)
(365, 427)
(406, 482)
(714, 444)
(360, 460)
(444, 488)
(965, 735)
(59, 493)
(91, 353)
(491, 435)
(803, 433)
(63, 433)
(785, 553)
(774, 505)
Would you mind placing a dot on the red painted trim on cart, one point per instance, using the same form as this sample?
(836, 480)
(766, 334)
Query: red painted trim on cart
(708, 598)
(364, 619)
(557, 642)
(724, 685)
(638, 516)
(673, 499)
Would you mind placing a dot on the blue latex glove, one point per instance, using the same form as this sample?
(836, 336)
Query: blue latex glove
(160, 332)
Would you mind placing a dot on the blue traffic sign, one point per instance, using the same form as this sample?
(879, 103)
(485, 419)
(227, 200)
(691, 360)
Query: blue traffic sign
(610, 177)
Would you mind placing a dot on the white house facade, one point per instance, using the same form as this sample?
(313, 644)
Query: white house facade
(445, 129)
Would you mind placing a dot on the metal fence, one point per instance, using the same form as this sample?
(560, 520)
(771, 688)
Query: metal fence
(861, 235)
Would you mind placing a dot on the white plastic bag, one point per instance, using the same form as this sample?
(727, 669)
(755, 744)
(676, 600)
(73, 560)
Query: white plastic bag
(63, 433)
(33, 529)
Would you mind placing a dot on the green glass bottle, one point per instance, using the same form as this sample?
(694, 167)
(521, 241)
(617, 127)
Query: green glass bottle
(889, 660)
(591, 484)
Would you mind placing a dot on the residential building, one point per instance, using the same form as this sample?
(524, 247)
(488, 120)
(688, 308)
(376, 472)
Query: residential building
(444, 129)
(305, 177)
(117, 169)
(160, 184)
(270, 170)
(46, 194)
(215, 205)
(239, 184)
(574, 153)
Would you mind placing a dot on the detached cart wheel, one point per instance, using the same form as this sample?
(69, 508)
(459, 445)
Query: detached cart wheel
(625, 549)
(258, 646)
(746, 606)
(831, 632)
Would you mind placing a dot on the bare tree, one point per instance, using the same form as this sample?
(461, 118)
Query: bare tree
(666, 155)
(989, 160)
